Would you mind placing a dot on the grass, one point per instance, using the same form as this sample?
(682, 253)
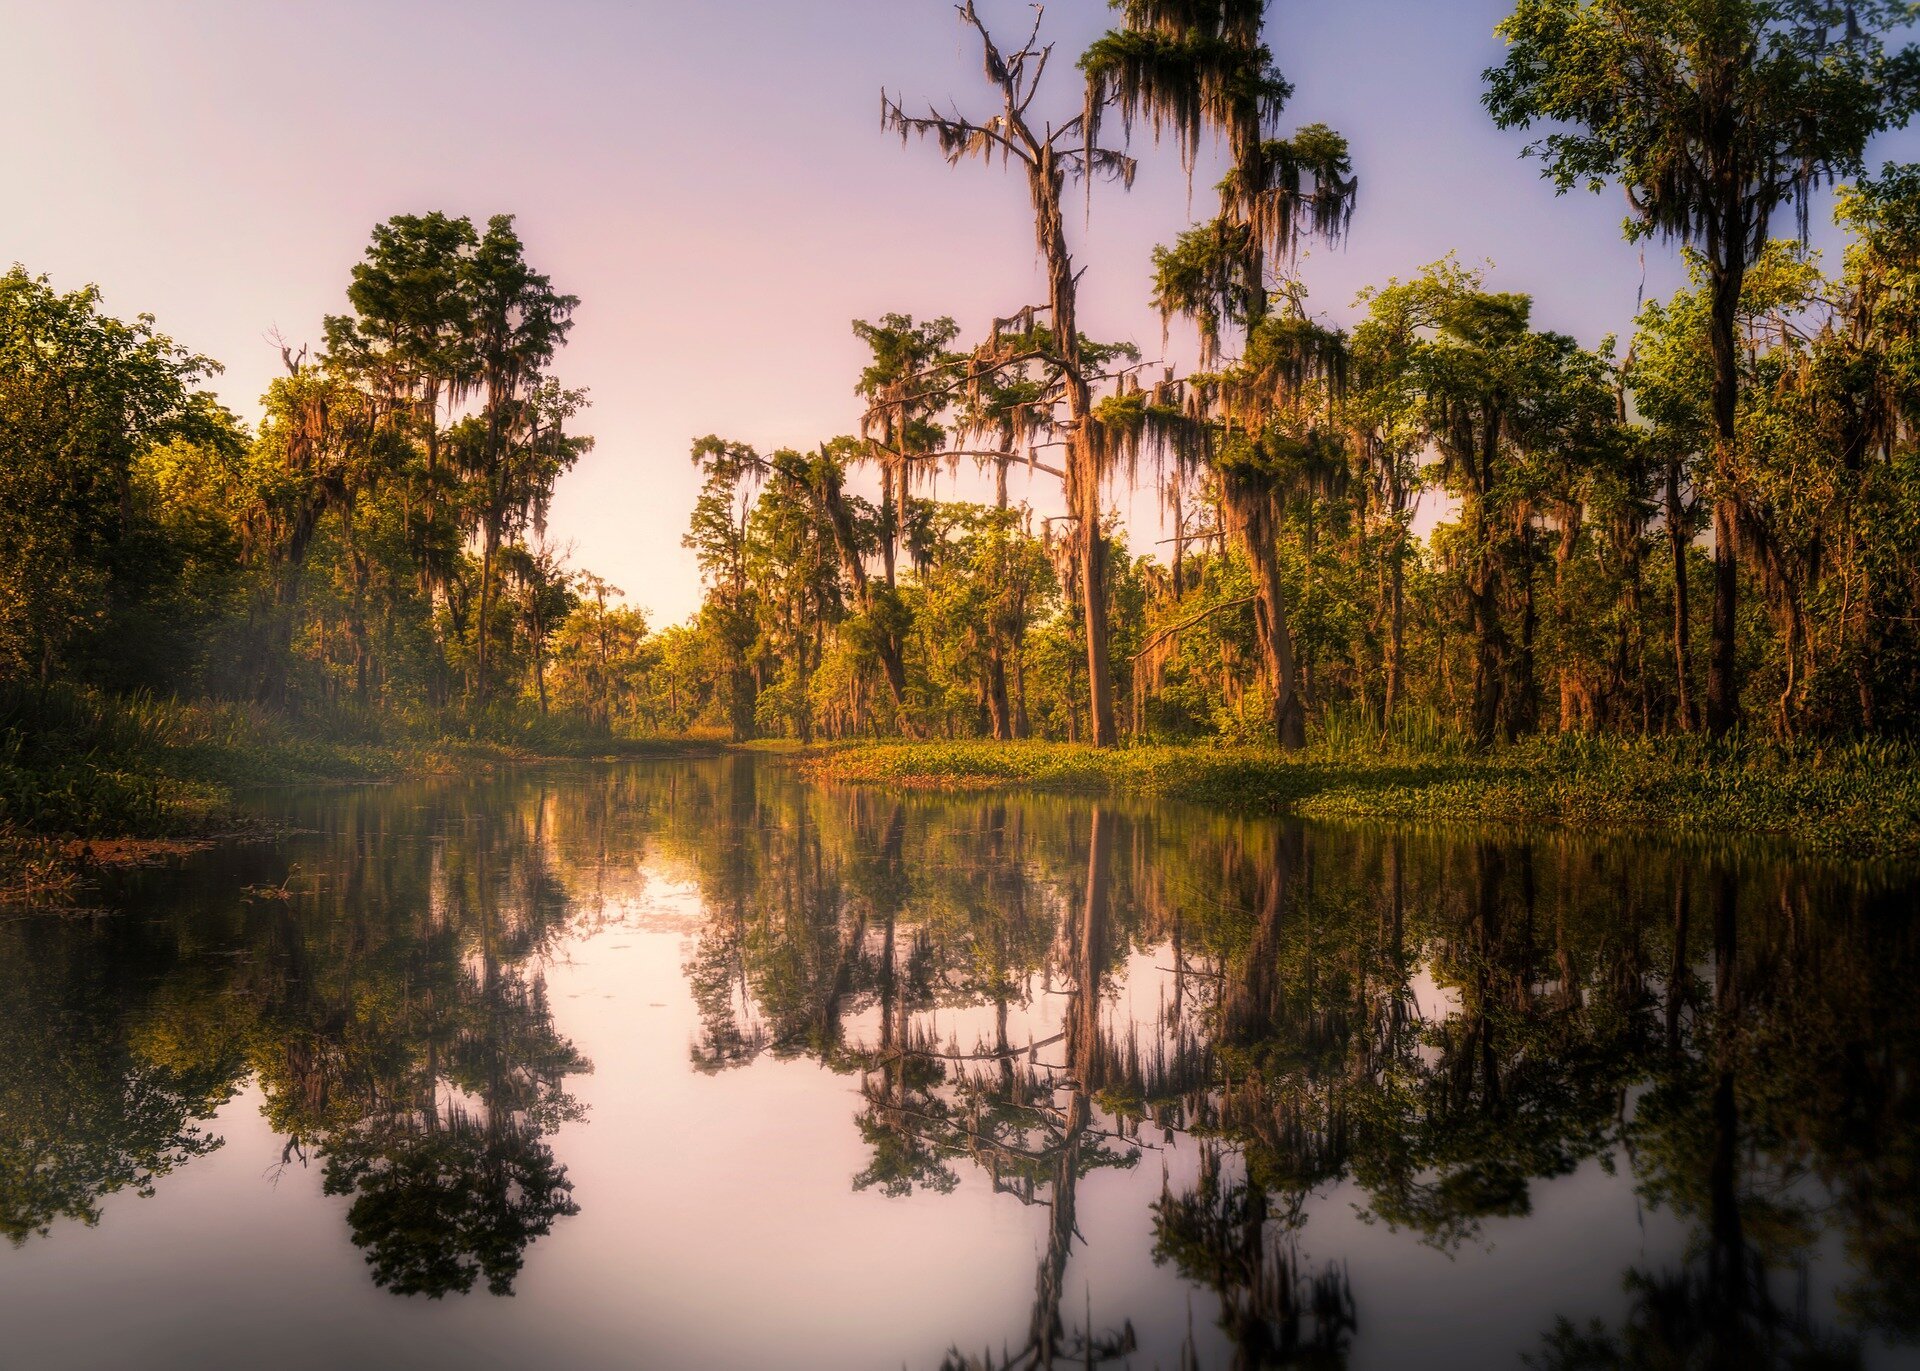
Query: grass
(1858, 799)
(79, 766)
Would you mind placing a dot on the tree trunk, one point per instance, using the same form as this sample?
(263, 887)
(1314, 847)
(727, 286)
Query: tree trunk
(1682, 652)
(1254, 514)
(1483, 589)
(486, 611)
(1093, 586)
(1489, 648)
(1523, 703)
(1045, 179)
(1022, 727)
(1397, 630)
(1576, 704)
(1179, 540)
(1723, 686)
(999, 708)
(539, 658)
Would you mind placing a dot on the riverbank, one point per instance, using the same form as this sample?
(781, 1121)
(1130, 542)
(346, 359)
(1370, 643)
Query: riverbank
(1860, 799)
(90, 780)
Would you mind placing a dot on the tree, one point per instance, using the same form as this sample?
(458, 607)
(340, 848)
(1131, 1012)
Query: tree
(987, 581)
(82, 395)
(718, 539)
(1199, 66)
(1713, 115)
(898, 426)
(321, 448)
(1049, 158)
(1498, 399)
(545, 600)
(410, 344)
(1382, 415)
(514, 449)
(794, 559)
(410, 334)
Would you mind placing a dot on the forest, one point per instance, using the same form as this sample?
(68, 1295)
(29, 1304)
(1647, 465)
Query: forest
(1707, 526)
(1435, 527)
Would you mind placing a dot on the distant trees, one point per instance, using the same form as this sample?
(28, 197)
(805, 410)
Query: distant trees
(1549, 595)
(599, 654)
(351, 552)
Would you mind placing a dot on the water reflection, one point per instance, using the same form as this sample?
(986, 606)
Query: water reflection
(1443, 1024)
(1024, 994)
(383, 1005)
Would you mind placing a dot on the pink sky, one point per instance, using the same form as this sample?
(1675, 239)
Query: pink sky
(712, 181)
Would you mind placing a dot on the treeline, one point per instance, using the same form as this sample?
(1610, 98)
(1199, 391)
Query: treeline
(377, 546)
(1717, 526)
(1437, 521)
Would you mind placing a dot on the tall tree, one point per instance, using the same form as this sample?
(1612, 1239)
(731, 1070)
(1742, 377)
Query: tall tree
(1713, 115)
(517, 445)
(718, 539)
(1194, 67)
(905, 392)
(409, 334)
(1050, 156)
(409, 344)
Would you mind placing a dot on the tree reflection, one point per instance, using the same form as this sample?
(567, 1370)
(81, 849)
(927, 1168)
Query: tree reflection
(1781, 1112)
(96, 1097)
(1030, 994)
(419, 1060)
(392, 1014)
(1275, 1308)
(1441, 1024)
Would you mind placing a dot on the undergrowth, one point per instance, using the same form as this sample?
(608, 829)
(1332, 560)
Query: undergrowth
(83, 764)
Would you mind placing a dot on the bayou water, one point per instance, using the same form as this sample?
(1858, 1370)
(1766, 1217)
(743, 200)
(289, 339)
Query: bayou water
(693, 1064)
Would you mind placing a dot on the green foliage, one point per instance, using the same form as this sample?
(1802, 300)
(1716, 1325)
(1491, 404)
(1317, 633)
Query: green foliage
(1552, 595)
(1697, 108)
(82, 397)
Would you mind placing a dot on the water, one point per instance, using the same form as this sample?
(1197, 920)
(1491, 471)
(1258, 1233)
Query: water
(692, 1065)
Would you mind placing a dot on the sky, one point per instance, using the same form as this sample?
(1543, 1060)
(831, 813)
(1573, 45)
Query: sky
(712, 181)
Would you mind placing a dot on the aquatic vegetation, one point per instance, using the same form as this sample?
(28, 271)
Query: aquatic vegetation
(1861, 798)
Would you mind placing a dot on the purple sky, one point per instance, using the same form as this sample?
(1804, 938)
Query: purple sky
(711, 180)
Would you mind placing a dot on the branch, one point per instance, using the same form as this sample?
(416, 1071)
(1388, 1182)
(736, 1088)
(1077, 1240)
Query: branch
(1204, 614)
(976, 454)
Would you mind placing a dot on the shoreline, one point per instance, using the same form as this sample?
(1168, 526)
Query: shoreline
(167, 802)
(1857, 801)
(1854, 801)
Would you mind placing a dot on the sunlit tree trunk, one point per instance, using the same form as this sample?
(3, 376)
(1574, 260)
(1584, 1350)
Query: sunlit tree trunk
(1728, 277)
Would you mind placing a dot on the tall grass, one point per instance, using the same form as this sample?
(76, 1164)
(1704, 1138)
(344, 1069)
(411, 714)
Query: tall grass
(1348, 730)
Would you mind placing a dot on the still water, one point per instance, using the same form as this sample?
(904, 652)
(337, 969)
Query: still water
(693, 1065)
